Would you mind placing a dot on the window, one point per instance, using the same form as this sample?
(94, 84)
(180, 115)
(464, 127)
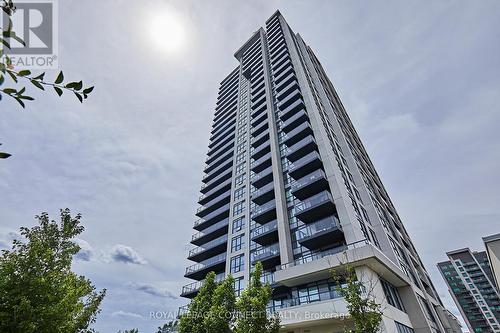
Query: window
(240, 179)
(403, 328)
(238, 224)
(238, 208)
(239, 286)
(237, 243)
(392, 295)
(239, 193)
(240, 168)
(240, 157)
(241, 147)
(237, 263)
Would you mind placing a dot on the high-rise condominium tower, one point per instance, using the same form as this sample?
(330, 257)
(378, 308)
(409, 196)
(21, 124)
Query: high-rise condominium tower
(288, 183)
(472, 285)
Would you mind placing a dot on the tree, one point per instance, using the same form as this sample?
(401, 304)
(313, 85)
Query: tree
(134, 330)
(18, 75)
(17, 90)
(38, 291)
(365, 312)
(220, 316)
(193, 321)
(168, 327)
(252, 307)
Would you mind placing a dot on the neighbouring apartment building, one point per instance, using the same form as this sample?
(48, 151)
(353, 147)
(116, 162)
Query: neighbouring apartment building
(288, 183)
(471, 282)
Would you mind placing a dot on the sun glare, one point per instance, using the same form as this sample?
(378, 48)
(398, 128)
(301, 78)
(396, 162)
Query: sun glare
(167, 32)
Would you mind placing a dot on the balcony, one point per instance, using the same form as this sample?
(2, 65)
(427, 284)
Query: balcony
(216, 181)
(316, 207)
(262, 178)
(321, 234)
(219, 152)
(190, 290)
(258, 130)
(258, 111)
(307, 164)
(209, 195)
(309, 185)
(262, 163)
(257, 121)
(291, 109)
(217, 171)
(198, 271)
(212, 166)
(214, 204)
(212, 218)
(285, 90)
(301, 148)
(264, 213)
(263, 194)
(261, 150)
(216, 246)
(294, 121)
(265, 234)
(269, 256)
(210, 233)
(260, 139)
(297, 134)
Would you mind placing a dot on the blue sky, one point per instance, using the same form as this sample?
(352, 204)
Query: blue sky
(420, 80)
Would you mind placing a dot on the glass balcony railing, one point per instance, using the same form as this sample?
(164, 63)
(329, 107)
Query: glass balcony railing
(297, 134)
(212, 228)
(212, 215)
(206, 264)
(195, 286)
(263, 208)
(268, 227)
(294, 121)
(207, 246)
(315, 207)
(263, 190)
(262, 174)
(305, 165)
(267, 277)
(219, 199)
(307, 180)
(312, 229)
(309, 140)
(264, 158)
(215, 191)
(319, 255)
(264, 253)
(307, 299)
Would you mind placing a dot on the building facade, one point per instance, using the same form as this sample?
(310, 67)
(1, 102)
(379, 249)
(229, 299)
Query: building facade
(492, 245)
(472, 286)
(288, 183)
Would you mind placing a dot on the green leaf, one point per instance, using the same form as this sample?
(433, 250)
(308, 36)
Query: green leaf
(28, 98)
(39, 77)
(5, 155)
(24, 72)
(12, 75)
(4, 42)
(59, 79)
(2, 79)
(37, 84)
(20, 92)
(9, 91)
(88, 90)
(20, 101)
(80, 98)
(58, 91)
(75, 85)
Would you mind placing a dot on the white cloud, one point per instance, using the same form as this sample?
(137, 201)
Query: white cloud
(126, 254)
(125, 314)
(152, 290)
(86, 252)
